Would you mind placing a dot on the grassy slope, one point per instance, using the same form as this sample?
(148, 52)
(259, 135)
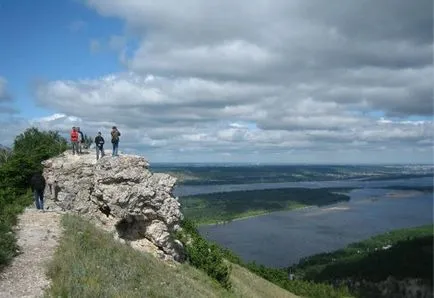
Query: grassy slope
(88, 263)
(227, 206)
(11, 205)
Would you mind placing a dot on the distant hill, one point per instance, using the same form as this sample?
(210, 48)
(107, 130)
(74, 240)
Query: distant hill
(396, 262)
(5, 148)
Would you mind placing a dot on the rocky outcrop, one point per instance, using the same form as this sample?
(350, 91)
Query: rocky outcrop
(122, 195)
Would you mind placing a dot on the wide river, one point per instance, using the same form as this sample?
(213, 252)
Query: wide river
(282, 238)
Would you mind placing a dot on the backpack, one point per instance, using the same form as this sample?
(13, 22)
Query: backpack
(115, 136)
(82, 137)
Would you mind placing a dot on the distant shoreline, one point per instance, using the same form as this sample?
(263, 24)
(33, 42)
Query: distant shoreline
(244, 217)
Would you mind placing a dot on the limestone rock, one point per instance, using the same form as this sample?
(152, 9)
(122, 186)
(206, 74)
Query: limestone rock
(122, 195)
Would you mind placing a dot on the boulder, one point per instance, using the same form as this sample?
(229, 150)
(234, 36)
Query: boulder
(121, 195)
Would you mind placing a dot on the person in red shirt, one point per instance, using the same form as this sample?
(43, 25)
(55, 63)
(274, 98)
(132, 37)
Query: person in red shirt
(74, 140)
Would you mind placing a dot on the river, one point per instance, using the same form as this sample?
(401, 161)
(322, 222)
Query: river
(282, 238)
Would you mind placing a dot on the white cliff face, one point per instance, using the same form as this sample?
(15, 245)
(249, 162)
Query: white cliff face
(122, 195)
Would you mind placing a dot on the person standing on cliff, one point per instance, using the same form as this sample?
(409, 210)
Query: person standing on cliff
(37, 184)
(99, 144)
(80, 140)
(74, 140)
(115, 140)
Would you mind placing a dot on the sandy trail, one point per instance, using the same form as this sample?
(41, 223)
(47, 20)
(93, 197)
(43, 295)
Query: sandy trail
(38, 234)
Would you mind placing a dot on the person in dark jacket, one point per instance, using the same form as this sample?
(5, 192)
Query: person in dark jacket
(115, 140)
(37, 183)
(99, 144)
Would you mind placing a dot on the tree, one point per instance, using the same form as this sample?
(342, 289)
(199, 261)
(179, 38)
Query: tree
(87, 141)
(40, 145)
(5, 154)
(30, 148)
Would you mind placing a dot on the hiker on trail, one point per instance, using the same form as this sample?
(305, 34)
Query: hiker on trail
(74, 140)
(99, 144)
(115, 140)
(80, 140)
(37, 183)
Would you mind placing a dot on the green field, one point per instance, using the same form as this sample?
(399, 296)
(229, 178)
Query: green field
(228, 206)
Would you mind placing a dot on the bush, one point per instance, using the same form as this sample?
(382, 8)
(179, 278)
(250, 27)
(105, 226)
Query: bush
(204, 255)
(11, 204)
(16, 168)
(5, 154)
(298, 287)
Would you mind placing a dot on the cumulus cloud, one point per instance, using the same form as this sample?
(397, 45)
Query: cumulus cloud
(263, 78)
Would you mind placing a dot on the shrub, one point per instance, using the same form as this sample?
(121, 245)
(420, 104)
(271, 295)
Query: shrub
(298, 287)
(16, 168)
(11, 204)
(204, 255)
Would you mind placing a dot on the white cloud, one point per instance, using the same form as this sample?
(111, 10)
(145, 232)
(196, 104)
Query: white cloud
(262, 80)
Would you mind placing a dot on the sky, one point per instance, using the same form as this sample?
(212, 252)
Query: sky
(258, 81)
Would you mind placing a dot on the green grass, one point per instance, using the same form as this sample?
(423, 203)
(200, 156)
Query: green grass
(89, 263)
(11, 204)
(279, 276)
(228, 206)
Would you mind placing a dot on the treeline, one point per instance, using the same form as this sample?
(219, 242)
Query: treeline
(226, 206)
(17, 165)
(245, 174)
(405, 253)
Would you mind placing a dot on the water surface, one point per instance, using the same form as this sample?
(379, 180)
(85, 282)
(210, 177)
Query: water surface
(282, 238)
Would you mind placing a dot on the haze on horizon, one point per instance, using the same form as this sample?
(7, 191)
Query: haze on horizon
(284, 81)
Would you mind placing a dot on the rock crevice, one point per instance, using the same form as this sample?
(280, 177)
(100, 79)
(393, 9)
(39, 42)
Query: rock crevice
(122, 195)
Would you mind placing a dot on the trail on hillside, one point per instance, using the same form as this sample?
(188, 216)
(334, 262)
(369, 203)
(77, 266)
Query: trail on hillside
(38, 234)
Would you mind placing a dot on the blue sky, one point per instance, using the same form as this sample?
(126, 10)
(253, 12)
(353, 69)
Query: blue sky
(50, 40)
(261, 81)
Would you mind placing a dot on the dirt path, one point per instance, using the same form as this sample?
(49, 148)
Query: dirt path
(38, 233)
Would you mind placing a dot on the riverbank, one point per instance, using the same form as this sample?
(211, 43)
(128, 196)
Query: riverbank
(250, 214)
(225, 207)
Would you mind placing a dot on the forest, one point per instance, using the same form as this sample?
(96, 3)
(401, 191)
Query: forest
(404, 253)
(227, 206)
(219, 174)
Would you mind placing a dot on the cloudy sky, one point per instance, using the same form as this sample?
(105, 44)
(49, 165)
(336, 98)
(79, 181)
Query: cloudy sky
(269, 81)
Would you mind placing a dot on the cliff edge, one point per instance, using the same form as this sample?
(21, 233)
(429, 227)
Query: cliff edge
(121, 195)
